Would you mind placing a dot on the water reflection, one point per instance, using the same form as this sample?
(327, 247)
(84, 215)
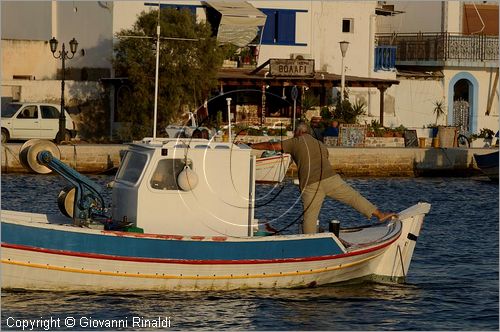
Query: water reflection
(250, 309)
(452, 284)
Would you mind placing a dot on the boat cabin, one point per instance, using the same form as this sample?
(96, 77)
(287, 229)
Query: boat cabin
(187, 186)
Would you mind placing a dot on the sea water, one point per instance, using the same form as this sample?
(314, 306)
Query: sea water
(452, 282)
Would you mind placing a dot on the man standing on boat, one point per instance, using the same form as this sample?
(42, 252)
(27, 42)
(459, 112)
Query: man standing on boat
(317, 178)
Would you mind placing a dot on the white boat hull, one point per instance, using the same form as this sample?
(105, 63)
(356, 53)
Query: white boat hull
(272, 169)
(105, 265)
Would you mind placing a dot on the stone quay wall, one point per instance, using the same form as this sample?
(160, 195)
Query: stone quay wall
(85, 158)
(352, 162)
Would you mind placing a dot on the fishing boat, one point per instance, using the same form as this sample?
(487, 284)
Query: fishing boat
(182, 219)
(272, 168)
(488, 164)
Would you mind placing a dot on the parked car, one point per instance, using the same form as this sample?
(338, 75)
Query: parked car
(23, 121)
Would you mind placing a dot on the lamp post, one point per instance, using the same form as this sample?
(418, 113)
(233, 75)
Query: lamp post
(63, 55)
(343, 48)
(295, 93)
(228, 100)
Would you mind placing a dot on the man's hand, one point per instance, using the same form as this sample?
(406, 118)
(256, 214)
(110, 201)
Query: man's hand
(383, 216)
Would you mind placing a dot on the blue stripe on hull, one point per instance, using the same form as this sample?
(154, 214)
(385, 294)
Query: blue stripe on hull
(165, 249)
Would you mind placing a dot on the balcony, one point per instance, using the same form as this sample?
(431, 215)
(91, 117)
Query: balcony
(385, 58)
(441, 49)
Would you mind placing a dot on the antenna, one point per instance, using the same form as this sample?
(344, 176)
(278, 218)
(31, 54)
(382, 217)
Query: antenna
(155, 113)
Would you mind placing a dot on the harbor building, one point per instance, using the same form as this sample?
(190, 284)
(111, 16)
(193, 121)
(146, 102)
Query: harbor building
(397, 63)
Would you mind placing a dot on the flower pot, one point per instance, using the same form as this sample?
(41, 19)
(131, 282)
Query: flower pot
(421, 142)
(435, 142)
(447, 136)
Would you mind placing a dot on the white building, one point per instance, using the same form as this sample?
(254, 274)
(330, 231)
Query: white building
(310, 29)
(446, 51)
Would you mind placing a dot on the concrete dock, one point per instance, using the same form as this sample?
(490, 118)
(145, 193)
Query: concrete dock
(351, 162)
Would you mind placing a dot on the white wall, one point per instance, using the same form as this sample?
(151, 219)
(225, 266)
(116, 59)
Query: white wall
(411, 103)
(453, 18)
(26, 20)
(321, 29)
(126, 13)
(423, 16)
(414, 102)
(90, 22)
(27, 57)
(76, 92)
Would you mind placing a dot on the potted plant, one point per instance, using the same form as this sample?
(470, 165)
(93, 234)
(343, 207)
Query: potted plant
(376, 128)
(246, 56)
(399, 131)
(487, 136)
(388, 132)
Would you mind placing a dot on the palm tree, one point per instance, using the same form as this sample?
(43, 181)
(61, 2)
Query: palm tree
(438, 109)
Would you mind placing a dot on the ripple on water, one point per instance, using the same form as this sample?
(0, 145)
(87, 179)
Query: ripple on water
(452, 284)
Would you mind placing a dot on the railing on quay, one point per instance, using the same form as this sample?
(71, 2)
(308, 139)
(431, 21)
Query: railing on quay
(441, 46)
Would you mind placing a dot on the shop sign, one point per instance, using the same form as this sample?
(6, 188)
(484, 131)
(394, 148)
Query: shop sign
(291, 67)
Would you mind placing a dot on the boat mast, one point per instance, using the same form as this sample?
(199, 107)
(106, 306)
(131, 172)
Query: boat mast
(155, 113)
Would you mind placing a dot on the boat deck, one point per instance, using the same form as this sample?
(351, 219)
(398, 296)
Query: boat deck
(358, 237)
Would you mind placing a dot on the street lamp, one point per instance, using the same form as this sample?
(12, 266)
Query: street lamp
(63, 55)
(343, 48)
(228, 100)
(295, 94)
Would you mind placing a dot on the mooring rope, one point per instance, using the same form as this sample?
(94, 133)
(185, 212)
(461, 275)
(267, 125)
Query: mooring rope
(402, 264)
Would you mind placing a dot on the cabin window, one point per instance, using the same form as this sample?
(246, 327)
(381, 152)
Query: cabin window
(166, 173)
(132, 167)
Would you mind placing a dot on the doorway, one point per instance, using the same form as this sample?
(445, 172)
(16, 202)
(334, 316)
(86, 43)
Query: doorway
(463, 101)
(461, 105)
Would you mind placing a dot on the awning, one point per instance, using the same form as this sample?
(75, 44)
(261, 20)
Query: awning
(239, 22)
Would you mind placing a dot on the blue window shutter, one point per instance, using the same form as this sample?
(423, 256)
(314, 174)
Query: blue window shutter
(268, 36)
(377, 59)
(286, 27)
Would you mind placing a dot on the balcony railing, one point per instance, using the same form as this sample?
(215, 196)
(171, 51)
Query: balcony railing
(385, 58)
(441, 46)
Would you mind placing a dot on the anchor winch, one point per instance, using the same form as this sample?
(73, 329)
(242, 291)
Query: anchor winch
(82, 201)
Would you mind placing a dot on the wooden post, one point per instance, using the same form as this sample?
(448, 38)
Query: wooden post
(491, 93)
(382, 89)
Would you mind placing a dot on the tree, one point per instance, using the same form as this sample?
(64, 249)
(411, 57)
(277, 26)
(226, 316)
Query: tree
(187, 69)
(346, 112)
(308, 102)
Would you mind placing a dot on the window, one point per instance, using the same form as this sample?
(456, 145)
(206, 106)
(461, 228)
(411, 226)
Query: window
(29, 112)
(49, 112)
(10, 110)
(131, 167)
(280, 27)
(191, 8)
(166, 173)
(348, 25)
